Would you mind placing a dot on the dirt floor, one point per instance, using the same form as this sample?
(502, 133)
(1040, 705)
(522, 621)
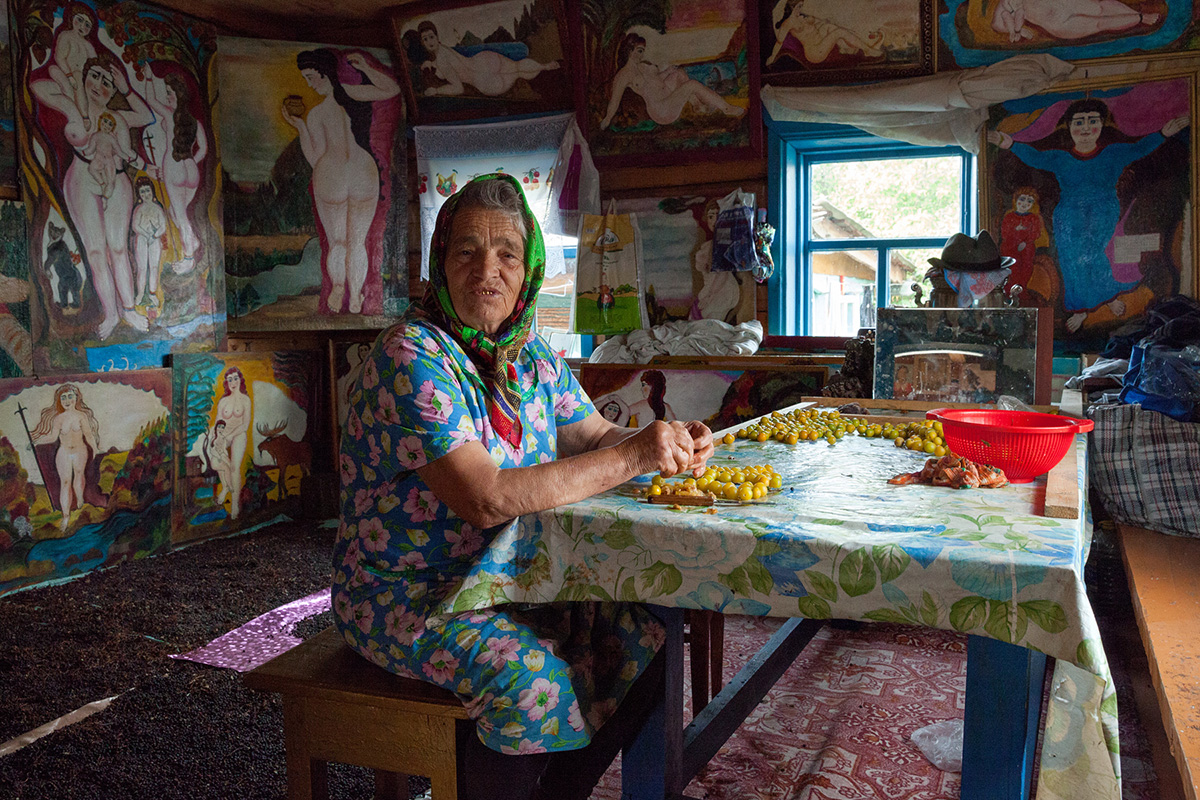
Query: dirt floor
(177, 729)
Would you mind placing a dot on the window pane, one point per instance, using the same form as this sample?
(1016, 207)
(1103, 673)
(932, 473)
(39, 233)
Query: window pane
(908, 267)
(843, 292)
(887, 199)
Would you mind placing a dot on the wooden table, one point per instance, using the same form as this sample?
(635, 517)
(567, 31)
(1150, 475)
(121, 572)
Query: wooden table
(840, 542)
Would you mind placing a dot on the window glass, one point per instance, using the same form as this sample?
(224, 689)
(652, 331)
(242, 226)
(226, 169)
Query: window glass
(843, 291)
(886, 199)
(909, 266)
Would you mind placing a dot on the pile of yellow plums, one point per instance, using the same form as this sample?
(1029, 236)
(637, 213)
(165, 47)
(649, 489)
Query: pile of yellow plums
(727, 483)
(810, 425)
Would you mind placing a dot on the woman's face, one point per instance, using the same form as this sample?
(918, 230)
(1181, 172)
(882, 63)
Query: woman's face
(639, 54)
(146, 193)
(429, 40)
(1085, 130)
(82, 24)
(316, 81)
(68, 399)
(233, 382)
(171, 100)
(710, 216)
(1024, 203)
(645, 389)
(485, 267)
(98, 83)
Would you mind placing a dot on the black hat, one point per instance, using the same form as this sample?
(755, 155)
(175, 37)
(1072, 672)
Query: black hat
(965, 254)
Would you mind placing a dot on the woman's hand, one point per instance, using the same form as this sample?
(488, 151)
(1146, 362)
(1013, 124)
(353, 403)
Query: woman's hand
(120, 80)
(1174, 126)
(357, 61)
(290, 118)
(1000, 139)
(668, 448)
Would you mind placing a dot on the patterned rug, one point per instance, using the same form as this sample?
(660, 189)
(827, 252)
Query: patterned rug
(838, 724)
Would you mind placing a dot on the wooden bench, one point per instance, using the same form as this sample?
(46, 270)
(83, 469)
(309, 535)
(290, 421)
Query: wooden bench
(1164, 582)
(337, 706)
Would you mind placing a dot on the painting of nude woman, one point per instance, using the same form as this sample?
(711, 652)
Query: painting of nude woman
(670, 78)
(821, 41)
(464, 59)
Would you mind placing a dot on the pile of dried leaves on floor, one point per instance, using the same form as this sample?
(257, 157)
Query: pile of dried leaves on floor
(177, 729)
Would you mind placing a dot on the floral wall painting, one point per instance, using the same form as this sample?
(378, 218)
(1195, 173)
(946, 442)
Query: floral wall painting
(244, 437)
(8, 123)
(117, 155)
(16, 345)
(978, 32)
(314, 153)
(824, 41)
(664, 81)
(1093, 192)
(677, 238)
(85, 473)
(464, 59)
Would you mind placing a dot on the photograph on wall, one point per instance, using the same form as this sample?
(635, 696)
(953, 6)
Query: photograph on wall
(837, 41)
(313, 150)
(16, 344)
(85, 473)
(956, 355)
(677, 260)
(8, 122)
(669, 82)
(120, 172)
(1092, 191)
(467, 60)
(633, 396)
(975, 33)
(244, 438)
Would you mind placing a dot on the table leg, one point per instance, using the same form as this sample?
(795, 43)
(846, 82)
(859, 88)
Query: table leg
(1003, 715)
(651, 765)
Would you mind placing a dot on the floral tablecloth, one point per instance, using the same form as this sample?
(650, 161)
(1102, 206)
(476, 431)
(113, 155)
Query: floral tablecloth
(840, 542)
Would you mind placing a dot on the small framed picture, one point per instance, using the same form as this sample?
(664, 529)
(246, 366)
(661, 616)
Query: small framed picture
(463, 60)
(839, 41)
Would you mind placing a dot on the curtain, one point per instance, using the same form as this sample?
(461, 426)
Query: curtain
(943, 109)
(548, 155)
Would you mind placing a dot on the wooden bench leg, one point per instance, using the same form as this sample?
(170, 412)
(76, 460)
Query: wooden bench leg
(716, 652)
(307, 778)
(699, 644)
(390, 785)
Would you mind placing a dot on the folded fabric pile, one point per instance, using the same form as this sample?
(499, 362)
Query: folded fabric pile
(702, 337)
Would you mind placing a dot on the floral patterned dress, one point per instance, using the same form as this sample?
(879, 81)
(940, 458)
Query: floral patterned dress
(535, 678)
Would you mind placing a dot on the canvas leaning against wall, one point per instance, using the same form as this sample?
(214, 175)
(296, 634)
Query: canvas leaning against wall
(119, 167)
(244, 438)
(1092, 190)
(85, 473)
(312, 139)
(669, 82)
(978, 32)
(16, 344)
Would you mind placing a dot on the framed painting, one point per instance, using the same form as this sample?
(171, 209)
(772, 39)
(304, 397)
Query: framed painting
(1092, 188)
(347, 358)
(8, 122)
(126, 263)
(677, 246)
(16, 344)
(669, 82)
(244, 438)
(467, 60)
(841, 41)
(975, 33)
(958, 355)
(85, 473)
(299, 254)
(633, 396)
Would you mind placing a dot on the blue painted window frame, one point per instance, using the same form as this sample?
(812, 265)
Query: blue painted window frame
(792, 149)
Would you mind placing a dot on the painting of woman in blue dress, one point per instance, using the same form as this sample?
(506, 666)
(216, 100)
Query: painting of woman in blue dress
(1111, 171)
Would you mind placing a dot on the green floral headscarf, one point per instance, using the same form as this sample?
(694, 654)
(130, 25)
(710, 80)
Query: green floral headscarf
(493, 355)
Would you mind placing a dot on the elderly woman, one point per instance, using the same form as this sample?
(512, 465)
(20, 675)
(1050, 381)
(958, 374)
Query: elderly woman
(463, 420)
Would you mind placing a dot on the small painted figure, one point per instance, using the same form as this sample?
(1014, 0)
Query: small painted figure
(107, 154)
(150, 231)
(61, 267)
(72, 424)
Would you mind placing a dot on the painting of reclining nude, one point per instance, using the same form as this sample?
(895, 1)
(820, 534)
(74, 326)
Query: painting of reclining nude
(245, 435)
(119, 168)
(668, 82)
(85, 473)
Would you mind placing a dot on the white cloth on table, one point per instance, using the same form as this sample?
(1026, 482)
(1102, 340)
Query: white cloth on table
(702, 337)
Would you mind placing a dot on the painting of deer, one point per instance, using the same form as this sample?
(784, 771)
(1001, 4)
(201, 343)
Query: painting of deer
(285, 451)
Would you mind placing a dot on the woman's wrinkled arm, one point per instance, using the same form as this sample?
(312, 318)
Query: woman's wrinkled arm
(604, 456)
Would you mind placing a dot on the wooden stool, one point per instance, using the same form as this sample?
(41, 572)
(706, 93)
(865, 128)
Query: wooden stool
(337, 706)
(706, 637)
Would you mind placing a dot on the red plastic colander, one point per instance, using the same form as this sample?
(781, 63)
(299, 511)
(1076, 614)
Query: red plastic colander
(1024, 444)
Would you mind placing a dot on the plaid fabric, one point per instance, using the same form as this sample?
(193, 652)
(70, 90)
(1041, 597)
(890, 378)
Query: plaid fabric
(1145, 467)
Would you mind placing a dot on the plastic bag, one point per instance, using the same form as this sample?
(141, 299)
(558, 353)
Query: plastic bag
(1164, 379)
(942, 744)
(608, 274)
(733, 242)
